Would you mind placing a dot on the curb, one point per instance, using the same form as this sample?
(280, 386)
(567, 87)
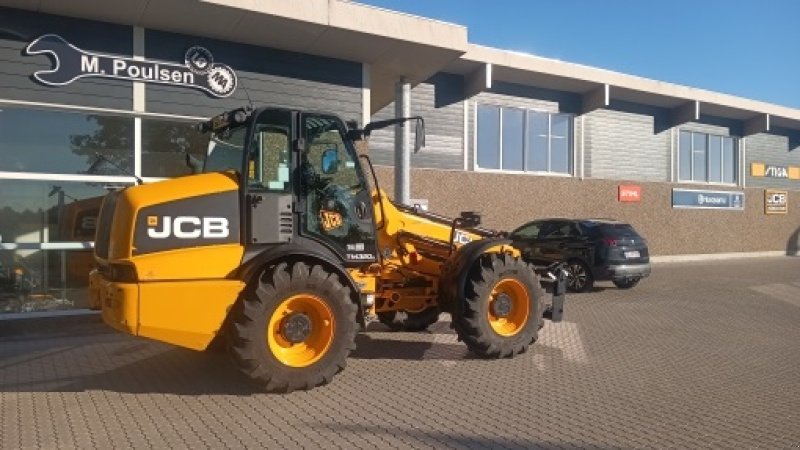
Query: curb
(718, 256)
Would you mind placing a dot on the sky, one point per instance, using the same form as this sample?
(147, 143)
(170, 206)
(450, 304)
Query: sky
(745, 48)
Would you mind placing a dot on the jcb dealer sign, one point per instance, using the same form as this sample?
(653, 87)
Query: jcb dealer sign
(776, 202)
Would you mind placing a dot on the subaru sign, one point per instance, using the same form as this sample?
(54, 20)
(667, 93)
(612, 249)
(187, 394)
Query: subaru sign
(701, 199)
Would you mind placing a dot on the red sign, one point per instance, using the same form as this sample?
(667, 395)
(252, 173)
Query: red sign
(629, 193)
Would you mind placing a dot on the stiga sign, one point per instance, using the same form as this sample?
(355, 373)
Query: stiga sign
(701, 199)
(758, 169)
(776, 202)
(199, 71)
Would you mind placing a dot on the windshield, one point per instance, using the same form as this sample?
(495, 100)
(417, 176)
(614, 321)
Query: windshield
(225, 150)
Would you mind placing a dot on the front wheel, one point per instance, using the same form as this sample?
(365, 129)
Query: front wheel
(294, 328)
(502, 308)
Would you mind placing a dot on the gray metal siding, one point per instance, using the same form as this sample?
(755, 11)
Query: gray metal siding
(438, 101)
(18, 28)
(718, 127)
(270, 77)
(517, 96)
(771, 149)
(626, 145)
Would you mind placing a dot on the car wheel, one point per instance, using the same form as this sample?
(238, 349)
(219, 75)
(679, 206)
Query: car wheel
(626, 283)
(579, 276)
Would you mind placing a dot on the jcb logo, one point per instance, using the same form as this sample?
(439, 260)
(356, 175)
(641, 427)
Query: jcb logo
(330, 220)
(187, 227)
(88, 223)
(776, 199)
(461, 238)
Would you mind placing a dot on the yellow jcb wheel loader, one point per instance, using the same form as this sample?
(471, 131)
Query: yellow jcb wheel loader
(281, 247)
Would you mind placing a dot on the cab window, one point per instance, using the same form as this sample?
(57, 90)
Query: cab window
(268, 157)
(268, 167)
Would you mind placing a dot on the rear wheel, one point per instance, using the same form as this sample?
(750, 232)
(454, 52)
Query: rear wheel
(294, 328)
(626, 283)
(579, 276)
(409, 321)
(502, 308)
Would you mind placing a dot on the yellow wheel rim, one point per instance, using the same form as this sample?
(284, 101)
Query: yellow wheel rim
(509, 307)
(301, 330)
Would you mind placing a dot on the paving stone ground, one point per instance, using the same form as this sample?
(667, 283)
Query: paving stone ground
(700, 355)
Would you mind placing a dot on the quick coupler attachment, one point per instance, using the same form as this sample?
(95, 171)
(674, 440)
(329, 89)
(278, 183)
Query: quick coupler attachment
(559, 286)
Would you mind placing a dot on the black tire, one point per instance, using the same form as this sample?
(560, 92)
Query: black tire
(472, 323)
(626, 283)
(248, 333)
(218, 344)
(579, 276)
(409, 321)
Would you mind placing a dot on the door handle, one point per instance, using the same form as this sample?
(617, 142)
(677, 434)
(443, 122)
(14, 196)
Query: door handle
(255, 200)
(361, 210)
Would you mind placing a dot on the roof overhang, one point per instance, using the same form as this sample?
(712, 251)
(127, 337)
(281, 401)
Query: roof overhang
(599, 87)
(393, 44)
(396, 45)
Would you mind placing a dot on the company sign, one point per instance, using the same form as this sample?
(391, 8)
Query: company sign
(776, 202)
(629, 193)
(198, 71)
(701, 199)
(758, 169)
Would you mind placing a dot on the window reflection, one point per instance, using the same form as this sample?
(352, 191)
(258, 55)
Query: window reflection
(49, 211)
(165, 144)
(64, 142)
(513, 136)
(488, 137)
(43, 280)
(707, 158)
(517, 139)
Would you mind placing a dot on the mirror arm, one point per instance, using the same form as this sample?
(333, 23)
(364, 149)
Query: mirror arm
(389, 122)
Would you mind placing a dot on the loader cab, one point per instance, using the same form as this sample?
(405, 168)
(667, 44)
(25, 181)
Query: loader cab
(301, 181)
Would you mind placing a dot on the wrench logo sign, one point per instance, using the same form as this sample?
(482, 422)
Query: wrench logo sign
(70, 63)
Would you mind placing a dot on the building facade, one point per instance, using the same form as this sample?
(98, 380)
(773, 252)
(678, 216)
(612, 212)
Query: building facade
(93, 98)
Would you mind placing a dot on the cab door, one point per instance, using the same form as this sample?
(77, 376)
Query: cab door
(269, 201)
(335, 199)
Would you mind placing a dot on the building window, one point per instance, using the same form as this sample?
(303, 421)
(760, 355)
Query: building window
(707, 158)
(46, 227)
(165, 144)
(41, 141)
(45, 211)
(43, 280)
(520, 140)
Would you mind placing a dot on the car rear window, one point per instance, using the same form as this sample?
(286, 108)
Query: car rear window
(610, 230)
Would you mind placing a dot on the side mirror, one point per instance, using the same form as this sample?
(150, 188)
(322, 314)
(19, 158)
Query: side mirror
(330, 161)
(419, 132)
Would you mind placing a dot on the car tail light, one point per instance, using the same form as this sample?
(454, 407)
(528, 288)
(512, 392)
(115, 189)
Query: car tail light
(610, 242)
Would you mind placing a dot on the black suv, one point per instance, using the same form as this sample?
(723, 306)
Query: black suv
(594, 250)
